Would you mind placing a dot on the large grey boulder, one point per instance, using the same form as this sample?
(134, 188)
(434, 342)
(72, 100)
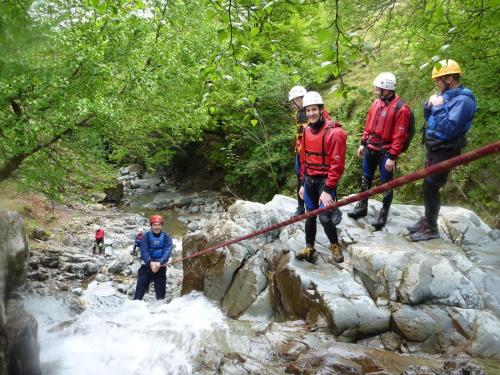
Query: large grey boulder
(438, 296)
(18, 330)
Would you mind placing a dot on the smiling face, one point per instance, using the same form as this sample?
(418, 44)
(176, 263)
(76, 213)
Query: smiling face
(313, 113)
(156, 227)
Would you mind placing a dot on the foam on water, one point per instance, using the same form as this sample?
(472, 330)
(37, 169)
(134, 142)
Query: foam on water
(132, 338)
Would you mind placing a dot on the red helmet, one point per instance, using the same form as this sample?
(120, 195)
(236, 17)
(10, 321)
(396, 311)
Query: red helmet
(155, 219)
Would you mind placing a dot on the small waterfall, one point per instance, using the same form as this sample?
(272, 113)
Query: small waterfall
(131, 337)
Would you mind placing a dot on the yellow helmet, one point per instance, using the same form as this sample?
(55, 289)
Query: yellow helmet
(447, 67)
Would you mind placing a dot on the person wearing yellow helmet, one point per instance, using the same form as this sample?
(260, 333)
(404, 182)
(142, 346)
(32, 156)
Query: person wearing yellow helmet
(449, 116)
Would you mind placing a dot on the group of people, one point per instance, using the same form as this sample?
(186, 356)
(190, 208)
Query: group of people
(155, 250)
(320, 149)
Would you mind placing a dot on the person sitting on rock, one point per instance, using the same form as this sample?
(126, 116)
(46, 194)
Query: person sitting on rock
(156, 248)
(137, 242)
(323, 159)
(99, 241)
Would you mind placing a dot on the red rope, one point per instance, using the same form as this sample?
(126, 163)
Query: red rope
(421, 173)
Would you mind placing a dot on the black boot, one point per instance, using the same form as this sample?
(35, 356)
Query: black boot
(381, 219)
(360, 210)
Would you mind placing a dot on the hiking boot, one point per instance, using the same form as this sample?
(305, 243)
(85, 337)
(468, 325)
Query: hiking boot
(381, 219)
(306, 254)
(299, 211)
(337, 253)
(360, 210)
(426, 233)
(417, 227)
(336, 216)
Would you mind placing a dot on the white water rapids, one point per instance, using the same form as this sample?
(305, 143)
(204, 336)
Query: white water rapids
(129, 337)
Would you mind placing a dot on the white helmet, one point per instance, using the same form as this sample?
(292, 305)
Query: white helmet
(296, 92)
(312, 98)
(386, 81)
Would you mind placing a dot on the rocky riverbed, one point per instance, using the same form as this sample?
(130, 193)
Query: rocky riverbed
(392, 308)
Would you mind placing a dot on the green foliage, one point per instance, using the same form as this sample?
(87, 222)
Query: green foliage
(101, 83)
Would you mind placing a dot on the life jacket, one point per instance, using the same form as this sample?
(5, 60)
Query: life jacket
(99, 234)
(300, 121)
(156, 245)
(316, 160)
(381, 129)
(441, 127)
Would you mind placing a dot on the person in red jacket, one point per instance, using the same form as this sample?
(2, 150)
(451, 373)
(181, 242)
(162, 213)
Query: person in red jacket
(323, 159)
(383, 139)
(295, 97)
(99, 241)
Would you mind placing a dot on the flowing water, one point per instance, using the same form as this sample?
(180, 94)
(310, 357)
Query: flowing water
(124, 337)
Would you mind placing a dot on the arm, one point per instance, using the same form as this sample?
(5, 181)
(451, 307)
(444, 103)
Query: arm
(366, 132)
(453, 118)
(167, 249)
(145, 256)
(336, 149)
(399, 132)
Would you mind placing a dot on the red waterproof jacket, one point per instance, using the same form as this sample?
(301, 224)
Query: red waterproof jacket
(323, 152)
(386, 127)
(99, 234)
(300, 121)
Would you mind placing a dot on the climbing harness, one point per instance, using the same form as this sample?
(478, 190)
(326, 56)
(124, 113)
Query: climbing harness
(466, 158)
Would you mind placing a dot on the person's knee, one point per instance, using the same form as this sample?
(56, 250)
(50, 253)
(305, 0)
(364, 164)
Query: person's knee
(325, 218)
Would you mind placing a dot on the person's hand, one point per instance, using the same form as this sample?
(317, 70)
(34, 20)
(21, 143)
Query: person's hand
(155, 266)
(360, 151)
(435, 100)
(301, 192)
(326, 199)
(389, 165)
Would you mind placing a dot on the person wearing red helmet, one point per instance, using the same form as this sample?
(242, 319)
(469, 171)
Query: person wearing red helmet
(156, 248)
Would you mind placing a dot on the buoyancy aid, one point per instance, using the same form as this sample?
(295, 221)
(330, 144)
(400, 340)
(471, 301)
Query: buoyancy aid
(156, 245)
(387, 126)
(324, 152)
(99, 234)
(453, 119)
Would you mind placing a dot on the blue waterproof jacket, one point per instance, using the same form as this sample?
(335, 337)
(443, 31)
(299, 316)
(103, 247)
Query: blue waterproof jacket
(452, 119)
(156, 247)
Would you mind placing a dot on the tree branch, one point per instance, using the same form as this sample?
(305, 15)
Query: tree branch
(14, 162)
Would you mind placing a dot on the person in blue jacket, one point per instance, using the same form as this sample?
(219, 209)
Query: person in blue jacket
(449, 116)
(156, 248)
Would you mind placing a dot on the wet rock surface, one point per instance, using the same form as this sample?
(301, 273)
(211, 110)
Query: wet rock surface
(389, 306)
(434, 297)
(18, 329)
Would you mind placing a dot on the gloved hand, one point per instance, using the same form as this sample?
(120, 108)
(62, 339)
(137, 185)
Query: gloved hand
(435, 100)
